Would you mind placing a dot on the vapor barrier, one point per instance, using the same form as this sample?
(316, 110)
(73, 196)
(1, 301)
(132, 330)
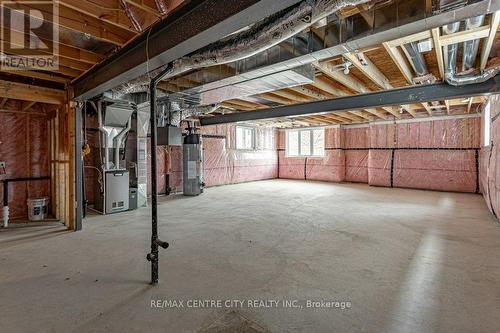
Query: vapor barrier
(490, 160)
(223, 163)
(24, 146)
(435, 155)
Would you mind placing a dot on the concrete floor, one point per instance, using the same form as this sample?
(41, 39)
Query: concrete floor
(407, 260)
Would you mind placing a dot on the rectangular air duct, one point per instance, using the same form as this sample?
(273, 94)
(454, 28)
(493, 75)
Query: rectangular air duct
(247, 84)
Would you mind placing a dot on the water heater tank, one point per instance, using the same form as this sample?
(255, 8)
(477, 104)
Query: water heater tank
(193, 165)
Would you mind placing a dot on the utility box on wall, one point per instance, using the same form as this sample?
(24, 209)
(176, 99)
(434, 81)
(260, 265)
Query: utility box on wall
(169, 136)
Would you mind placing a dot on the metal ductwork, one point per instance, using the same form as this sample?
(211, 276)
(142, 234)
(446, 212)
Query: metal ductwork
(470, 52)
(244, 85)
(258, 38)
(471, 46)
(417, 61)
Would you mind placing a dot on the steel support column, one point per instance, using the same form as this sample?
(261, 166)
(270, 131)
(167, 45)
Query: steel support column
(410, 95)
(78, 168)
(153, 256)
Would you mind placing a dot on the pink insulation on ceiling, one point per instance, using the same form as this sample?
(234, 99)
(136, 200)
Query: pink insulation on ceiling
(24, 146)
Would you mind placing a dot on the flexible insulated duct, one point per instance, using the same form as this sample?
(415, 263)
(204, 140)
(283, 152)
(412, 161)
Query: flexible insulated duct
(450, 74)
(260, 37)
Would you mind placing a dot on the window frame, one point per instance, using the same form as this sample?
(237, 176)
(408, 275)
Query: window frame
(299, 138)
(254, 142)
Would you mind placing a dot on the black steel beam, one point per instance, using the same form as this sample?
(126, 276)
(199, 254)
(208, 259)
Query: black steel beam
(410, 95)
(193, 26)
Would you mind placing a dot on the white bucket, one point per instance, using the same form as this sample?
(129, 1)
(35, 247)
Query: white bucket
(37, 208)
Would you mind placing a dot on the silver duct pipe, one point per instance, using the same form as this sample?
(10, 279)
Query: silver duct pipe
(118, 142)
(263, 35)
(450, 74)
(471, 46)
(416, 59)
(105, 135)
(175, 116)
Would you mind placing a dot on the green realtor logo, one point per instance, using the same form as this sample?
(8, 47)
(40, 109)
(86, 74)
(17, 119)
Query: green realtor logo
(29, 35)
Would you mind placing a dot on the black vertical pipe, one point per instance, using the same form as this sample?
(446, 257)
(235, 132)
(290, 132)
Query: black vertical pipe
(78, 168)
(155, 241)
(154, 180)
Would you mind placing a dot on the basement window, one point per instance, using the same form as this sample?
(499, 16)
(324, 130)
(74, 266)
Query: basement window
(245, 138)
(305, 142)
(487, 124)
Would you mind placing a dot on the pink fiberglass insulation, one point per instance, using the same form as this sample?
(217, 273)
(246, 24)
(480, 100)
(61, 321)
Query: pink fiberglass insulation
(379, 167)
(329, 168)
(356, 142)
(452, 166)
(356, 166)
(490, 160)
(291, 167)
(356, 137)
(442, 170)
(24, 146)
(223, 163)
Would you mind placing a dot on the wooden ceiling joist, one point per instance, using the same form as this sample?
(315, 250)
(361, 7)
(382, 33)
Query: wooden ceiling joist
(84, 23)
(113, 15)
(27, 105)
(26, 92)
(67, 51)
(438, 48)
(400, 60)
(488, 43)
(349, 81)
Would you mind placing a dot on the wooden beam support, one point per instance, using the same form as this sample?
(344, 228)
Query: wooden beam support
(2, 103)
(463, 36)
(291, 96)
(427, 108)
(27, 105)
(72, 19)
(339, 76)
(488, 43)
(308, 92)
(438, 48)
(39, 75)
(67, 51)
(447, 104)
(369, 70)
(26, 92)
(400, 60)
(411, 38)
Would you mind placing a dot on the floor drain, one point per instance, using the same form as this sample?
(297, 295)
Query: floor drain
(233, 322)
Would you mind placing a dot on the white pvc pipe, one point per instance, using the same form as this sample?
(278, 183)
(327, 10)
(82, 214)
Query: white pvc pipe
(5, 216)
